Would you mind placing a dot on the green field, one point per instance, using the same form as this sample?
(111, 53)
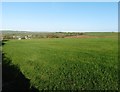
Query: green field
(67, 63)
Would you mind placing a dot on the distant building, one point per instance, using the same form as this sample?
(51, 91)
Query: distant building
(14, 37)
(1, 38)
(26, 37)
(29, 36)
(19, 38)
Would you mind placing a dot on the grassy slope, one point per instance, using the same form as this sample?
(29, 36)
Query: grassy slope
(86, 63)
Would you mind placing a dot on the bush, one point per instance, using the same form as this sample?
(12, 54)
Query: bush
(52, 36)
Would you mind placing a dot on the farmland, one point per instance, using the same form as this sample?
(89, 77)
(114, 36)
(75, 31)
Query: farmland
(68, 63)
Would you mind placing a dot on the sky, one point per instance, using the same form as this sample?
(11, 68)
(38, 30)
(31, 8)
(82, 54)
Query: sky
(60, 16)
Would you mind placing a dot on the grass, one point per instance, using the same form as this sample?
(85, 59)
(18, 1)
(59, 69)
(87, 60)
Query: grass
(67, 63)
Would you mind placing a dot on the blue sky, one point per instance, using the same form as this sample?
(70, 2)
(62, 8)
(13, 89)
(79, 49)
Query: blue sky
(60, 16)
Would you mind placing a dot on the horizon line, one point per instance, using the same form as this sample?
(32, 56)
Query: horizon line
(51, 31)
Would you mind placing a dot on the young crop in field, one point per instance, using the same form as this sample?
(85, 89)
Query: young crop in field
(67, 63)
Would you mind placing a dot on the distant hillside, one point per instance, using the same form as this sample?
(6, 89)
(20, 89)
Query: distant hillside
(11, 31)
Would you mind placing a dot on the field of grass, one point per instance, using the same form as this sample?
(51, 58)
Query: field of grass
(67, 63)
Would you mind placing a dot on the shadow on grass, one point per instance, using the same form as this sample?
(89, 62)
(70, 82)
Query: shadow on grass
(12, 78)
(3, 42)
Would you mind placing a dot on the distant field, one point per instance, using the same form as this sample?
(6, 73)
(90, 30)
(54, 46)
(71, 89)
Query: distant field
(102, 33)
(67, 63)
(39, 35)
